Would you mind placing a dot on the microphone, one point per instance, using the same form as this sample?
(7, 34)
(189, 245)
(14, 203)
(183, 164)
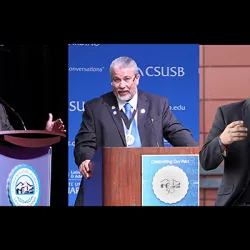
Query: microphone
(152, 120)
(19, 117)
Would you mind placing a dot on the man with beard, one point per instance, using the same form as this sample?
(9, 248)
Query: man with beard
(126, 117)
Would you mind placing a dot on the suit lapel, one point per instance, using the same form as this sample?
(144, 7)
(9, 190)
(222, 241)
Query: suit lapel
(246, 117)
(112, 106)
(142, 111)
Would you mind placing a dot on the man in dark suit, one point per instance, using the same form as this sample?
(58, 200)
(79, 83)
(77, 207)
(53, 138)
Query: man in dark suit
(55, 126)
(126, 117)
(229, 140)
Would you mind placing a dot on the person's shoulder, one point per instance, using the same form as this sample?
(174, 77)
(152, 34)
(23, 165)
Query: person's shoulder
(247, 102)
(2, 109)
(98, 100)
(232, 106)
(154, 97)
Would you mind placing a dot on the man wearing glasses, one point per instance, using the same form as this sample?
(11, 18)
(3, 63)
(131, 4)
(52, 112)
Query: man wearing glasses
(126, 117)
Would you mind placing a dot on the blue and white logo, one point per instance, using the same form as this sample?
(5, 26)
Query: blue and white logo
(23, 186)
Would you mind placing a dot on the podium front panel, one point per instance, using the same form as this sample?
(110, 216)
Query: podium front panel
(143, 177)
(25, 176)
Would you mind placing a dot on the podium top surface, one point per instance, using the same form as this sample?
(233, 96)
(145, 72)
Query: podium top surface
(31, 138)
(34, 133)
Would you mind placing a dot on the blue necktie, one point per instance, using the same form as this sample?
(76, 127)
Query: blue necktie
(128, 110)
(134, 129)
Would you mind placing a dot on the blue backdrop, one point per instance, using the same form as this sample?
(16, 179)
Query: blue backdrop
(170, 70)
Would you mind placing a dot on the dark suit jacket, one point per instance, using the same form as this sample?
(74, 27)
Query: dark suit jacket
(4, 122)
(102, 128)
(237, 162)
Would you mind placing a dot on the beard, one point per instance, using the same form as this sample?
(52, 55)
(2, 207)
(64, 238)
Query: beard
(126, 97)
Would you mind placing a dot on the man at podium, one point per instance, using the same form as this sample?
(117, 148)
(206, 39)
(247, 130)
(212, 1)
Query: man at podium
(55, 126)
(126, 117)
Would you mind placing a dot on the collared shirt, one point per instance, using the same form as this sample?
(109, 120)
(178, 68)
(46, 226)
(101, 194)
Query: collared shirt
(133, 103)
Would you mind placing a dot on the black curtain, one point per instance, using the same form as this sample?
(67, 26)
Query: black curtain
(34, 82)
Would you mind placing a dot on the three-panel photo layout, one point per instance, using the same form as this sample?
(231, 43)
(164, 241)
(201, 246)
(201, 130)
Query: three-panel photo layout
(143, 125)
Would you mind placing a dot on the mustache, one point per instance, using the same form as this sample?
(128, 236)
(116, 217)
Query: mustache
(122, 90)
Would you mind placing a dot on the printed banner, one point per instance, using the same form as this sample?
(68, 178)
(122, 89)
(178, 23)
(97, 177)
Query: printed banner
(170, 180)
(25, 177)
(170, 70)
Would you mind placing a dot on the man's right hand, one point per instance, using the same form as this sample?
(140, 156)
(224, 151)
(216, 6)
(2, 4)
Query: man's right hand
(84, 168)
(235, 131)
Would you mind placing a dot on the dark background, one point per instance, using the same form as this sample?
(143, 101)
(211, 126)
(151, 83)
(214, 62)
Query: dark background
(34, 81)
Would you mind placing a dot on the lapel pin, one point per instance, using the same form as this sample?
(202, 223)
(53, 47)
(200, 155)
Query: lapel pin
(142, 111)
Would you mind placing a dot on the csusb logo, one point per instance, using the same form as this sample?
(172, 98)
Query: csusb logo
(162, 71)
(23, 186)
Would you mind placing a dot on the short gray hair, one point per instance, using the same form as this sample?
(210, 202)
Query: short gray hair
(124, 62)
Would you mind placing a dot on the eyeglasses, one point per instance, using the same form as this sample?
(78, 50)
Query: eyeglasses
(128, 80)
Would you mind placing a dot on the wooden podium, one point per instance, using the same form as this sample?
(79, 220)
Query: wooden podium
(25, 167)
(117, 174)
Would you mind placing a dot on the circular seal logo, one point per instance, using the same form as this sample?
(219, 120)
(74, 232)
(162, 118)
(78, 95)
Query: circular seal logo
(23, 186)
(170, 184)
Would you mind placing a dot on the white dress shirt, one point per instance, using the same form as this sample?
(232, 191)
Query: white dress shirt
(133, 103)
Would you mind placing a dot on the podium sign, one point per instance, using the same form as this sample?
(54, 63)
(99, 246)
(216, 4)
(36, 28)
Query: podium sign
(25, 176)
(25, 167)
(170, 180)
